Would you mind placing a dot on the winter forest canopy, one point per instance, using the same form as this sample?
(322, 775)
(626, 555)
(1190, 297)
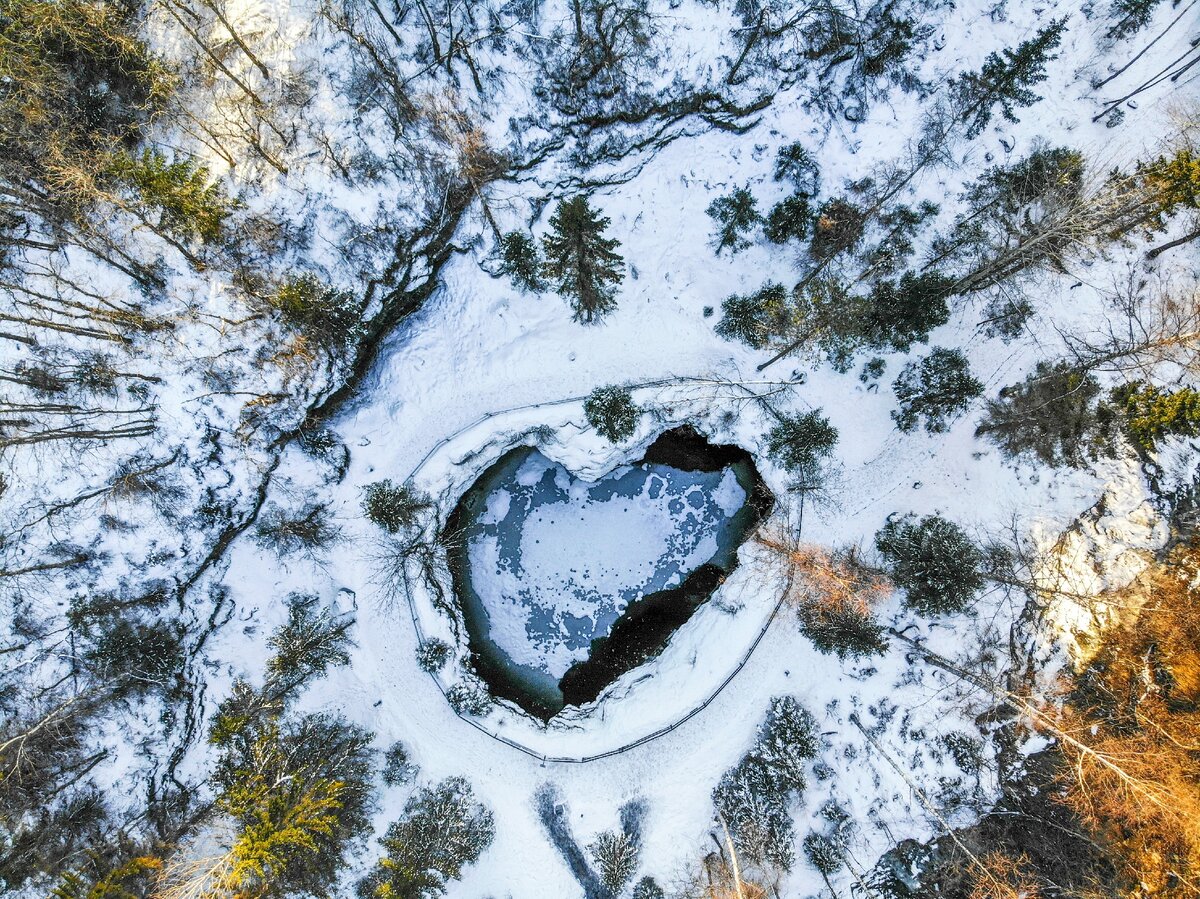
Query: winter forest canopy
(808, 393)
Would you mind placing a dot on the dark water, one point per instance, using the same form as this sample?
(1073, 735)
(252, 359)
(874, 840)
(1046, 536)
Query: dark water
(566, 584)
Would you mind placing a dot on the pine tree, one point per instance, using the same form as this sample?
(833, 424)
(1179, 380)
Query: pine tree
(1174, 184)
(736, 215)
(789, 219)
(647, 888)
(580, 261)
(298, 792)
(936, 389)
(611, 411)
(800, 442)
(394, 507)
(933, 560)
(192, 205)
(324, 314)
(1131, 16)
(521, 261)
(756, 319)
(312, 640)
(1150, 414)
(901, 313)
(795, 164)
(442, 831)
(616, 858)
(1006, 79)
(1050, 415)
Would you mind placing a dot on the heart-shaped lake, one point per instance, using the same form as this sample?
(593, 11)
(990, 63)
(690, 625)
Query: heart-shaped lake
(565, 584)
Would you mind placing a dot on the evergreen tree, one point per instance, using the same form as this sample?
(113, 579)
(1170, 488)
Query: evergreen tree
(800, 442)
(795, 164)
(616, 858)
(753, 797)
(901, 313)
(788, 220)
(756, 319)
(647, 888)
(311, 641)
(1173, 184)
(824, 854)
(329, 316)
(936, 389)
(736, 215)
(299, 792)
(933, 560)
(580, 261)
(1006, 79)
(192, 204)
(442, 831)
(611, 411)
(1051, 415)
(394, 507)
(1131, 16)
(432, 654)
(521, 261)
(1150, 414)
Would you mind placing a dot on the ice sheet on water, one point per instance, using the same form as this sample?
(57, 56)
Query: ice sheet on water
(555, 560)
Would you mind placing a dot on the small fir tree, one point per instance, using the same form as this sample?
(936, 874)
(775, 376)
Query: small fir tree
(432, 654)
(521, 261)
(616, 858)
(583, 264)
(398, 767)
(824, 854)
(469, 697)
(757, 318)
(796, 165)
(934, 389)
(934, 561)
(801, 442)
(736, 215)
(394, 507)
(788, 219)
(612, 412)
(192, 205)
(1006, 79)
(324, 314)
(311, 641)
(904, 312)
(647, 888)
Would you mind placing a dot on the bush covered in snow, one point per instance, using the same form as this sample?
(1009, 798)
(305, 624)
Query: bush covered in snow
(469, 697)
(432, 654)
(394, 507)
(611, 411)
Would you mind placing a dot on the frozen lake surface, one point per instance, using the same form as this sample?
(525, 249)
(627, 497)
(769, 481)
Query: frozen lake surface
(552, 561)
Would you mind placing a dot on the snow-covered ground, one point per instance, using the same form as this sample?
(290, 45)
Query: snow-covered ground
(483, 363)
